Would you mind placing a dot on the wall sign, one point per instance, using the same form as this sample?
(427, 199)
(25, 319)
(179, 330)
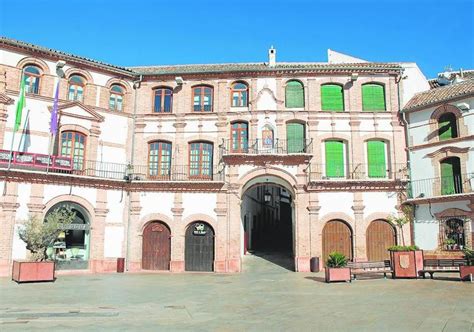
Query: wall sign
(199, 229)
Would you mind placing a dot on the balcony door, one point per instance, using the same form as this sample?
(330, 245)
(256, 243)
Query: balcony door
(239, 137)
(451, 180)
(200, 160)
(295, 138)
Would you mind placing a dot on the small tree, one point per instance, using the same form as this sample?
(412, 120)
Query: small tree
(400, 221)
(39, 235)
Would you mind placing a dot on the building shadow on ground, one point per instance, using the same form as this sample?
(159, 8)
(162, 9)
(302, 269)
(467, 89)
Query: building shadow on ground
(282, 259)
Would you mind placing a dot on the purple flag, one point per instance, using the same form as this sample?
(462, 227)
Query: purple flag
(53, 126)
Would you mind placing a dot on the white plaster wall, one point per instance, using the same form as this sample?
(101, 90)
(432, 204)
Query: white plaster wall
(199, 203)
(414, 82)
(113, 239)
(367, 125)
(336, 202)
(342, 126)
(114, 128)
(266, 100)
(24, 190)
(384, 202)
(108, 154)
(115, 205)
(152, 202)
(192, 128)
(427, 227)
(324, 126)
(209, 127)
(52, 191)
(18, 246)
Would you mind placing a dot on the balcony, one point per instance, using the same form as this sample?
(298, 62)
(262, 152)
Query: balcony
(262, 147)
(357, 172)
(441, 186)
(59, 165)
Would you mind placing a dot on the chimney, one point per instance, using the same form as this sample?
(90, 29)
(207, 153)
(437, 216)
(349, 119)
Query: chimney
(272, 57)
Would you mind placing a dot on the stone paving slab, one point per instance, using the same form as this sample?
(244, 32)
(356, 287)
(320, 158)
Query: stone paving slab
(265, 297)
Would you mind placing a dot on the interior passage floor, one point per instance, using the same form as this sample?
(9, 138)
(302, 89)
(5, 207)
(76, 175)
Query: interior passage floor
(265, 297)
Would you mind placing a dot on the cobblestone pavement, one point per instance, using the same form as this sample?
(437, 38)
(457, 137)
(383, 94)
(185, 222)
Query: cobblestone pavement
(266, 297)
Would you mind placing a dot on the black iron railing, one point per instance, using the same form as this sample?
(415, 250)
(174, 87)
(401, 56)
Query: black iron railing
(267, 147)
(441, 186)
(357, 171)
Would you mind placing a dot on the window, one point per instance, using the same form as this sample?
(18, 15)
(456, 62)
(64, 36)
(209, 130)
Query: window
(32, 79)
(377, 166)
(200, 158)
(116, 98)
(73, 146)
(447, 127)
(454, 230)
(76, 88)
(159, 159)
(267, 137)
(373, 97)
(451, 181)
(163, 100)
(202, 99)
(239, 137)
(332, 98)
(334, 159)
(295, 137)
(239, 95)
(294, 94)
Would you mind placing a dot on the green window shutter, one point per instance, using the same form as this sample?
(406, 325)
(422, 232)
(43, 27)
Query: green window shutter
(295, 137)
(377, 167)
(332, 98)
(294, 95)
(373, 97)
(447, 127)
(447, 177)
(334, 159)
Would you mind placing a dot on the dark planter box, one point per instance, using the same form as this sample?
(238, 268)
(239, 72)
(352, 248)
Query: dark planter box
(406, 264)
(466, 272)
(338, 274)
(32, 271)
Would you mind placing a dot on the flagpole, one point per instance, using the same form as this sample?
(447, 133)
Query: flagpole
(11, 151)
(53, 125)
(18, 114)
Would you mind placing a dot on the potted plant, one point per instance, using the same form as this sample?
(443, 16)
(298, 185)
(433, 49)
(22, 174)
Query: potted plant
(467, 271)
(336, 268)
(38, 237)
(449, 244)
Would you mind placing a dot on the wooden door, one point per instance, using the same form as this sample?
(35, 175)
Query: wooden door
(380, 235)
(199, 247)
(156, 250)
(337, 236)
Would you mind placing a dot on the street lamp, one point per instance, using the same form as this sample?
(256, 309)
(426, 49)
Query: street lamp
(267, 197)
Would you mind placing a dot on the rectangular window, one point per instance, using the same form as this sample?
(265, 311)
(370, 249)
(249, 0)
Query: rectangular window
(159, 160)
(334, 159)
(72, 145)
(332, 98)
(377, 167)
(373, 97)
(239, 137)
(200, 159)
(295, 137)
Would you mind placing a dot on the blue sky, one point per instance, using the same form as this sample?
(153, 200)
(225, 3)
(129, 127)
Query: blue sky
(434, 34)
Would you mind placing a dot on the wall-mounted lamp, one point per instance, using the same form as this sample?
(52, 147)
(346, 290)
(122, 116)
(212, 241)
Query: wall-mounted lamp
(179, 80)
(59, 68)
(267, 197)
(354, 77)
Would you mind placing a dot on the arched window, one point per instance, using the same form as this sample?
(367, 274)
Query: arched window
(294, 94)
(239, 95)
(73, 146)
(332, 98)
(373, 97)
(159, 159)
(335, 158)
(240, 137)
(447, 127)
(76, 88)
(451, 179)
(116, 97)
(200, 160)
(376, 159)
(32, 76)
(202, 98)
(163, 102)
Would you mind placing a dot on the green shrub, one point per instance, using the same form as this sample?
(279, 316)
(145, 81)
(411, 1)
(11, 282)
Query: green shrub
(403, 248)
(469, 256)
(336, 259)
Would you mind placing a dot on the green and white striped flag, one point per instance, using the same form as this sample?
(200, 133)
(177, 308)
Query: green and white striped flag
(20, 105)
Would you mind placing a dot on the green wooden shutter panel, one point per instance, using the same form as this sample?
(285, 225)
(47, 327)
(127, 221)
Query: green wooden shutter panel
(294, 95)
(295, 137)
(334, 159)
(377, 167)
(373, 97)
(332, 98)
(447, 177)
(447, 126)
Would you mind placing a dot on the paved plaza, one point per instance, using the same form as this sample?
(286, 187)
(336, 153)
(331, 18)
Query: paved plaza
(265, 297)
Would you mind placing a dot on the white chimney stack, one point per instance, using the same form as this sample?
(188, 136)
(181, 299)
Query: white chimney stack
(272, 57)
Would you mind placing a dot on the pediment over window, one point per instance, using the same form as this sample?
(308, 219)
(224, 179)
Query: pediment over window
(446, 150)
(78, 110)
(451, 213)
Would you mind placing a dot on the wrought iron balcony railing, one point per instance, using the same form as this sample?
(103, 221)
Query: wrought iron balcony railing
(266, 147)
(441, 186)
(357, 171)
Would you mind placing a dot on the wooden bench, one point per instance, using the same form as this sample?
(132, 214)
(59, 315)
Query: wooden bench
(433, 266)
(358, 268)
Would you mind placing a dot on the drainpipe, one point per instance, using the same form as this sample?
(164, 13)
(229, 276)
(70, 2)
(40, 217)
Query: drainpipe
(136, 86)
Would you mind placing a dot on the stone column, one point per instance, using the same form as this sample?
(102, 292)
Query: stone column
(359, 229)
(134, 237)
(315, 229)
(35, 205)
(9, 205)
(220, 264)
(234, 228)
(177, 239)
(302, 230)
(97, 260)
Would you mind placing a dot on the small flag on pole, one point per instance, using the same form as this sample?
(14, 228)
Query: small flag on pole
(20, 105)
(53, 126)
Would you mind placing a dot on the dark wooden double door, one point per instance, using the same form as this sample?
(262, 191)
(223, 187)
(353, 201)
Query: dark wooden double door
(156, 249)
(380, 236)
(199, 247)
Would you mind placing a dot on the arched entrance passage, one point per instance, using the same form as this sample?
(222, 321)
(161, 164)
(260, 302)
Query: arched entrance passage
(380, 235)
(71, 248)
(199, 247)
(156, 248)
(337, 236)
